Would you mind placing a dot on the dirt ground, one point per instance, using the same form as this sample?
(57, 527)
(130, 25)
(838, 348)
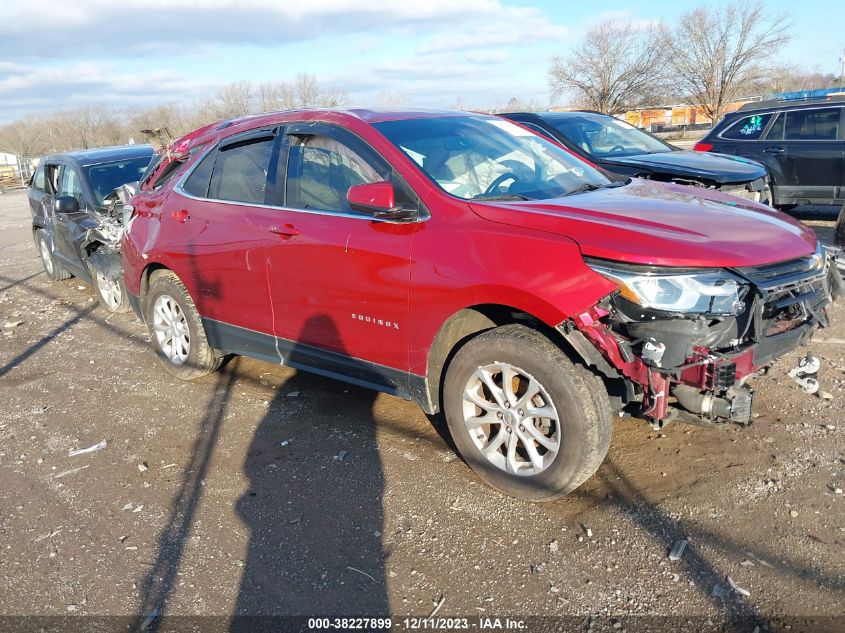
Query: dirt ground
(263, 491)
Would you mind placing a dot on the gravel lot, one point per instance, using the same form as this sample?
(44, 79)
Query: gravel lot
(261, 491)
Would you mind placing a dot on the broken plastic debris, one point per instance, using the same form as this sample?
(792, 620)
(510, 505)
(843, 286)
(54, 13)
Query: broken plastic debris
(293, 394)
(91, 449)
(341, 455)
(12, 324)
(678, 550)
(809, 364)
(803, 374)
(285, 442)
(553, 546)
(142, 466)
(737, 588)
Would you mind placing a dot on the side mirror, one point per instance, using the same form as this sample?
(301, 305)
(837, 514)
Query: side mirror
(377, 199)
(66, 204)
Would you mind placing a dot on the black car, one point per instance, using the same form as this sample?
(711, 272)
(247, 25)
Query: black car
(625, 150)
(800, 142)
(77, 219)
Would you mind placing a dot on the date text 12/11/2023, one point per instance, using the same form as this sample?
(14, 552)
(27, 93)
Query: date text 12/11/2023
(421, 623)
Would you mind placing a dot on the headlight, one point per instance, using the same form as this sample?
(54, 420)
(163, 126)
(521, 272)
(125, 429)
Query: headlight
(713, 292)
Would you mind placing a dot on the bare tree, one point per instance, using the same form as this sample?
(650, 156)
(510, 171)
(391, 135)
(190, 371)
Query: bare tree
(721, 55)
(617, 66)
(23, 138)
(387, 98)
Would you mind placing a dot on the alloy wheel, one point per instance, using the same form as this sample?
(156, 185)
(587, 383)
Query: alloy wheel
(511, 419)
(109, 290)
(170, 328)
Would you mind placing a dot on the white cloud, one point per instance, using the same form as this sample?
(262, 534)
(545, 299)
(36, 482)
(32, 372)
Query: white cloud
(62, 54)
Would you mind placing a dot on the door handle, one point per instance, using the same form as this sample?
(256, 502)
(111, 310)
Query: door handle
(286, 230)
(773, 150)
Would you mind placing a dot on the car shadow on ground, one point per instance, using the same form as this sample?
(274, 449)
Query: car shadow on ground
(313, 506)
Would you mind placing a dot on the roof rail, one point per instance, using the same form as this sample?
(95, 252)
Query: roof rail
(776, 103)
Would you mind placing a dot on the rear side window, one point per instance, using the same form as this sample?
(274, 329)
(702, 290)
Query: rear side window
(748, 128)
(240, 172)
(197, 183)
(812, 125)
(38, 180)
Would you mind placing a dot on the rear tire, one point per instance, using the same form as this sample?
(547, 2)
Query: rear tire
(557, 448)
(177, 333)
(51, 266)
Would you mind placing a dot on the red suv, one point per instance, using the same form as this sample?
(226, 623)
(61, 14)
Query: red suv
(461, 261)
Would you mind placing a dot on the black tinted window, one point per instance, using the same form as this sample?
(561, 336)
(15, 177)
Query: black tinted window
(197, 182)
(812, 125)
(240, 173)
(775, 132)
(748, 128)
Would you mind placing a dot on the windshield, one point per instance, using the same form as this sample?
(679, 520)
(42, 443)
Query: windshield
(480, 157)
(604, 136)
(106, 177)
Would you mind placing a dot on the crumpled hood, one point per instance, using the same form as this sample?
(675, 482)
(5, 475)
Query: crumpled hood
(719, 168)
(647, 222)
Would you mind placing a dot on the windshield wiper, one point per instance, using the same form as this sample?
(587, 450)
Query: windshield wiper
(500, 196)
(587, 186)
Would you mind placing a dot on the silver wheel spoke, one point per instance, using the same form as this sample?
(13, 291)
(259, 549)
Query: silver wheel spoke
(532, 390)
(533, 454)
(510, 458)
(546, 442)
(481, 420)
(487, 378)
(494, 444)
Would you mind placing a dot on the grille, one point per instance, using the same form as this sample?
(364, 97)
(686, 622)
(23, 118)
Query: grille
(781, 275)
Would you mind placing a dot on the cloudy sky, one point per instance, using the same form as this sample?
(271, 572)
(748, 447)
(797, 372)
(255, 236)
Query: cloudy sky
(61, 54)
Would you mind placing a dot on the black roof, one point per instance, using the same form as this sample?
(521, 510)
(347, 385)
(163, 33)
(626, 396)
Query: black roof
(86, 157)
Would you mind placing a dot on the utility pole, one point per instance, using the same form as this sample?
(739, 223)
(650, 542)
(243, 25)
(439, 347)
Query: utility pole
(842, 71)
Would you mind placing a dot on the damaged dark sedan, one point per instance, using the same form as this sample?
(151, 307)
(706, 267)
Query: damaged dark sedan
(624, 150)
(76, 200)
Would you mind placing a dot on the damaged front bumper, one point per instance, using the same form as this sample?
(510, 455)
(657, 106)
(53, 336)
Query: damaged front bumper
(694, 367)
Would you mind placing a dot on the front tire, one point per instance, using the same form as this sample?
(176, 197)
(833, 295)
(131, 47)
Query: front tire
(176, 330)
(110, 292)
(51, 266)
(524, 417)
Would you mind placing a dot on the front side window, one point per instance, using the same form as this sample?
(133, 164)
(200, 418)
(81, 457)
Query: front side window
(320, 172)
(70, 184)
(240, 171)
(602, 136)
(748, 128)
(812, 125)
(106, 177)
(478, 157)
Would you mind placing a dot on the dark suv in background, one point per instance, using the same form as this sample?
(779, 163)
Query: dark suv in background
(801, 143)
(625, 150)
(77, 220)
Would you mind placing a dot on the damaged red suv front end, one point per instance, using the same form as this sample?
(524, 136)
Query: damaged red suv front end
(688, 361)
